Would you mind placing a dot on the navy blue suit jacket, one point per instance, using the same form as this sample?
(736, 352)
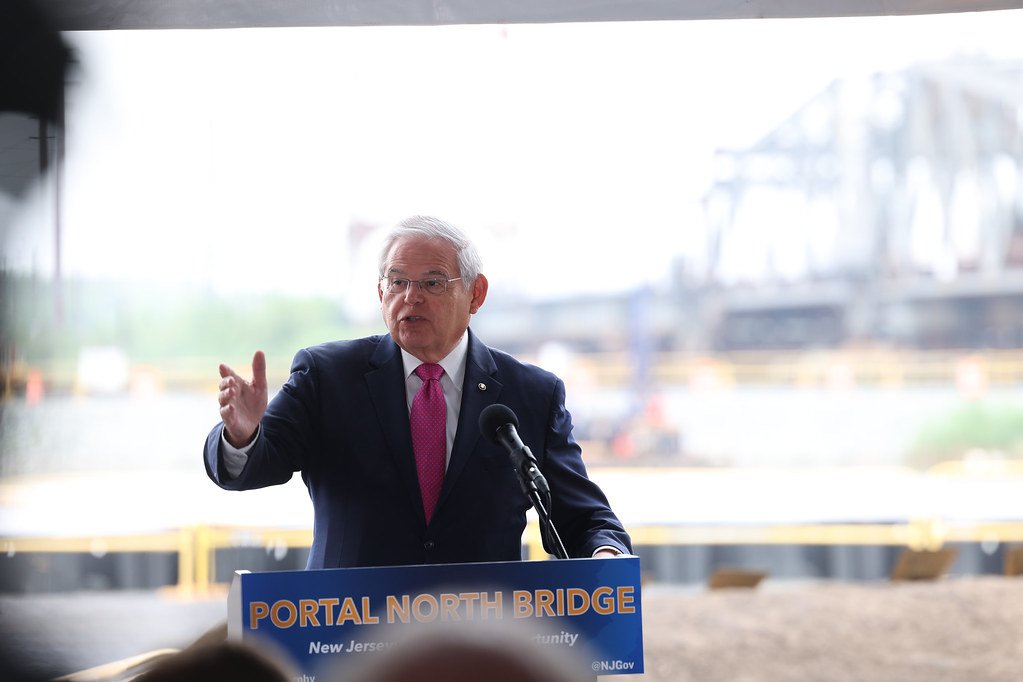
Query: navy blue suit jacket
(342, 420)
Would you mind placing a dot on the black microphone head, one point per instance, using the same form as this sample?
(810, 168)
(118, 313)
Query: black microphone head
(494, 417)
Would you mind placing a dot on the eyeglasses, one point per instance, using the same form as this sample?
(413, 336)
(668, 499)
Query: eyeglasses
(400, 285)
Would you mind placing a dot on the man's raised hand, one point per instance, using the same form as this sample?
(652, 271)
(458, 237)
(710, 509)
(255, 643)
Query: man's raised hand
(242, 403)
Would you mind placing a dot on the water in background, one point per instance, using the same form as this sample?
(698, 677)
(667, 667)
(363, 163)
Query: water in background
(743, 426)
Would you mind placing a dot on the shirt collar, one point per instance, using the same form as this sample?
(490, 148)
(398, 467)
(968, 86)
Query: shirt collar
(453, 363)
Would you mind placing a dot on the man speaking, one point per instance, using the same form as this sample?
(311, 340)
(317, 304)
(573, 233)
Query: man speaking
(385, 429)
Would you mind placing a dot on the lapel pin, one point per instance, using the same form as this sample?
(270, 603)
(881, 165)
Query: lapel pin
(481, 386)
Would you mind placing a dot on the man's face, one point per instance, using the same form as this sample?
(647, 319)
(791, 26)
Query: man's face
(428, 325)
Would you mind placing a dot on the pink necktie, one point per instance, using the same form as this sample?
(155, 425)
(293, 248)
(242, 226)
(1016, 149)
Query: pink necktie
(429, 434)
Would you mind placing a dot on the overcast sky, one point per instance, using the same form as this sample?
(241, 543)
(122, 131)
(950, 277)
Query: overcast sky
(576, 154)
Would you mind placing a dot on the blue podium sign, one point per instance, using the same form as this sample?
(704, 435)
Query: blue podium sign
(588, 608)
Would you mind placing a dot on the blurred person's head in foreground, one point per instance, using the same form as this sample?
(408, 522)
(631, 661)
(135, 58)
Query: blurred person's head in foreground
(469, 652)
(220, 661)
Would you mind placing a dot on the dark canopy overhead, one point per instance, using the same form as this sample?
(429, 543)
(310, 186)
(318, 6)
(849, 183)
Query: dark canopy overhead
(74, 15)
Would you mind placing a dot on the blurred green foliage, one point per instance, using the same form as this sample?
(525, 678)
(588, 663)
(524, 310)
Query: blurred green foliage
(975, 426)
(176, 328)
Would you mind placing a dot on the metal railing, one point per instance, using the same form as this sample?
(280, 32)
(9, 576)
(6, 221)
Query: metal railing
(196, 547)
(866, 367)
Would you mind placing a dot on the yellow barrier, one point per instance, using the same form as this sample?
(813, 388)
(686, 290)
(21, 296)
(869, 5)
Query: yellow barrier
(884, 367)
(837, 367)
(196, 547)
(213, 539)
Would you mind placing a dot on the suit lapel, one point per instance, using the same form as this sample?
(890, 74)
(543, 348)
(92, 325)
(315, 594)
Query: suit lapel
(480, 389)
(386, 382)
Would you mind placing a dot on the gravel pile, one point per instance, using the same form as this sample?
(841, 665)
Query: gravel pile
(956, 629)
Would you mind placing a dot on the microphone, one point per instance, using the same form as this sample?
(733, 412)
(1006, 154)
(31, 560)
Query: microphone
(498, 423)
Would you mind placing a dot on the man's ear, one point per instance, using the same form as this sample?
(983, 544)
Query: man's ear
(479, 293)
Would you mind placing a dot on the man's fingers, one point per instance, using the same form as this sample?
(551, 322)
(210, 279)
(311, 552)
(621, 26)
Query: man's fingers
(259, 369)
(239, 399)
(258, 372)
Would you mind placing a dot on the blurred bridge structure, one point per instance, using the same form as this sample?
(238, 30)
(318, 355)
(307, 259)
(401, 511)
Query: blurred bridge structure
(887, 211)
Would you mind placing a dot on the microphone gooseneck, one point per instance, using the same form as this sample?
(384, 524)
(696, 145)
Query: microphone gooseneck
(500, 426)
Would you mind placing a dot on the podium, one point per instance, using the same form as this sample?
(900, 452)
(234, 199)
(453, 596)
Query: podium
(588, 610)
